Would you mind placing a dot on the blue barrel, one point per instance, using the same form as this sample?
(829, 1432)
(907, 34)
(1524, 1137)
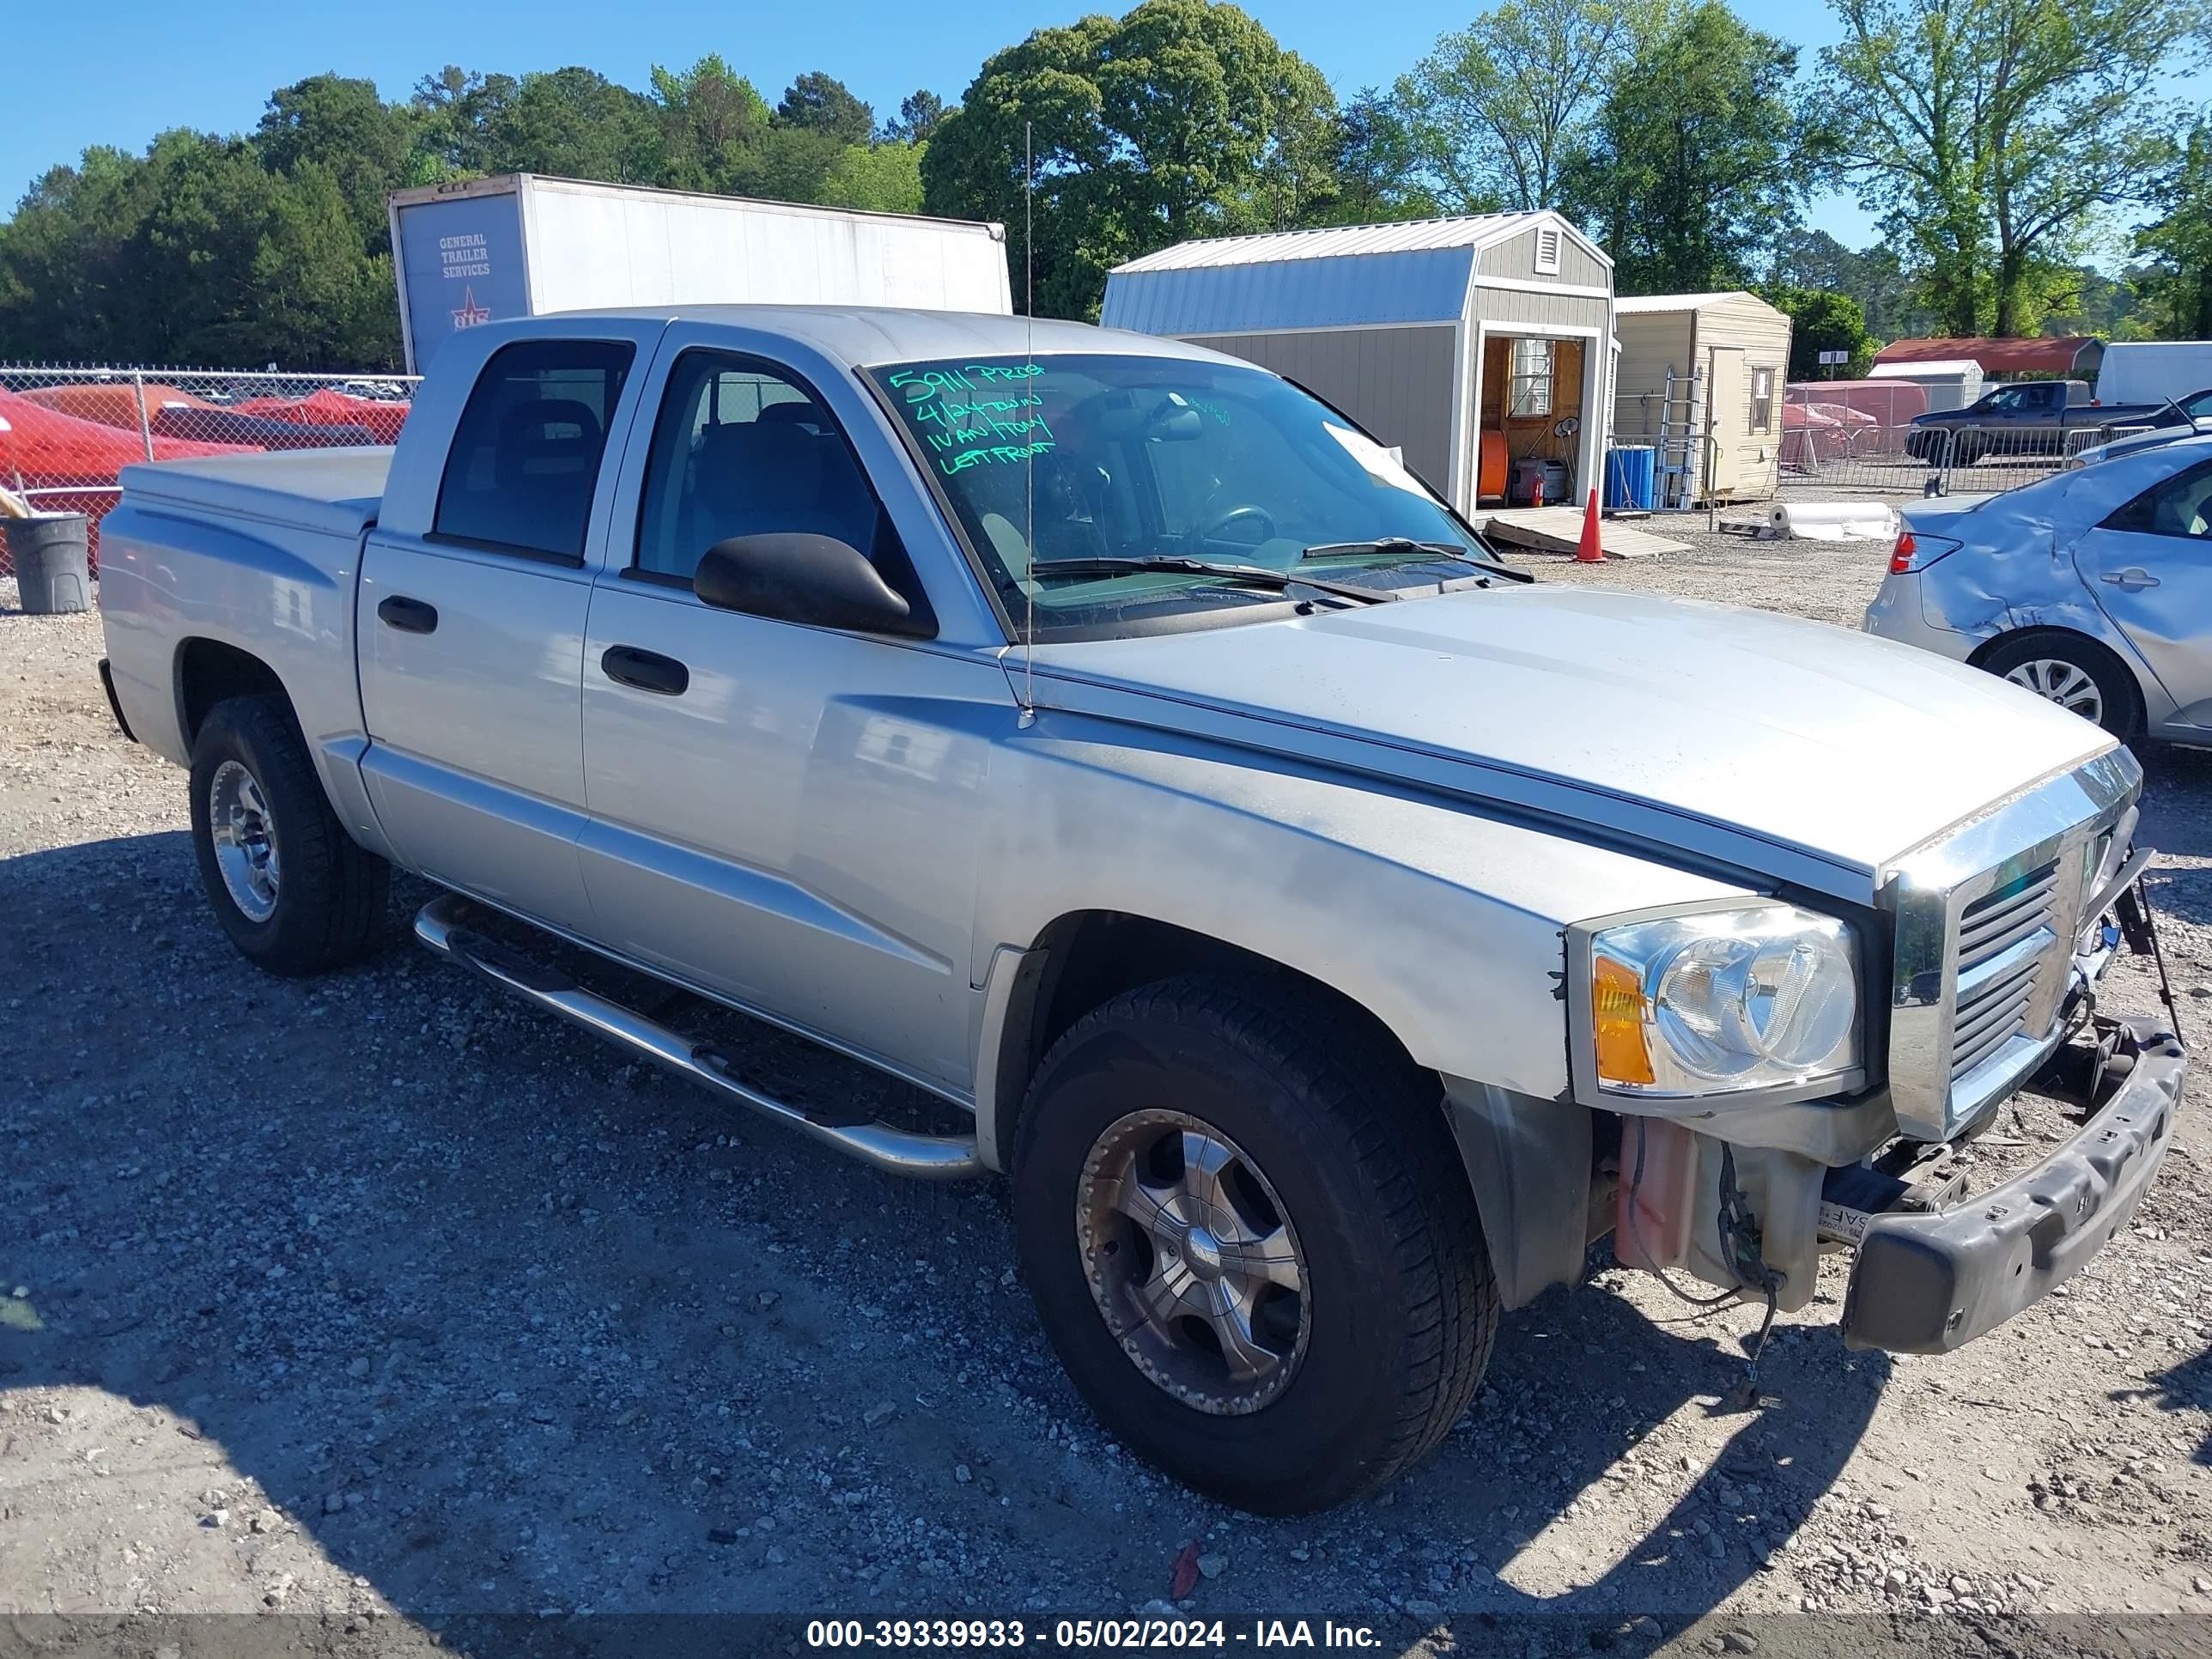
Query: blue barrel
(1630, 477)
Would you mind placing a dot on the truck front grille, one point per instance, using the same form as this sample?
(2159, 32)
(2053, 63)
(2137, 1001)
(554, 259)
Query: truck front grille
(2007, 941)
(1984, 919)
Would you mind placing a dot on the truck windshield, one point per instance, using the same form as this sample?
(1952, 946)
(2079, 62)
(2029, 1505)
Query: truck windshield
(1115, 458)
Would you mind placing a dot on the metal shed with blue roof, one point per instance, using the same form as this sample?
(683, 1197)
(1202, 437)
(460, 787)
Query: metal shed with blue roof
(1479, 345)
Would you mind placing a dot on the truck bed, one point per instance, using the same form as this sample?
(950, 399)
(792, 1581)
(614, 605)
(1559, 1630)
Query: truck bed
(336, 491)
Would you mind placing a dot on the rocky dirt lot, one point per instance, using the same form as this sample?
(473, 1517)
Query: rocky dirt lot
(379, 1314)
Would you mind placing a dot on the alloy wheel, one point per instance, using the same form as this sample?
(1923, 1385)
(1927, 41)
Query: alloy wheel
(1193, 1261)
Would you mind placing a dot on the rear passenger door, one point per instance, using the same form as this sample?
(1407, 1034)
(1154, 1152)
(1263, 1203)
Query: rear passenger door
(471, 623)
(783, 815)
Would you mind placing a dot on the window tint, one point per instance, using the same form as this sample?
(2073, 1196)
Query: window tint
(739, 450)
(2181, 506)
(525, 457)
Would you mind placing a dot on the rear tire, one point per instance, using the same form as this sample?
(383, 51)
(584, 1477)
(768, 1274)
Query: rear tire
(1319, 1132)
(293, 891)
(2074, 672)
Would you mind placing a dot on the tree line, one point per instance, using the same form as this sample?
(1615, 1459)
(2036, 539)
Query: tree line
(1999, 143)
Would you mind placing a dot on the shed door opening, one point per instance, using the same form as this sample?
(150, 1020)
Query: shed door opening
(1529, 419)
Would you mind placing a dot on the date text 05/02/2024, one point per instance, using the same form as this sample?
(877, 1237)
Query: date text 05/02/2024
(1008, 1635)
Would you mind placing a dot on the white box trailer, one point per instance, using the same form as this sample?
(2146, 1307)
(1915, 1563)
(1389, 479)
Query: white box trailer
(2151, 371)
(523, 244)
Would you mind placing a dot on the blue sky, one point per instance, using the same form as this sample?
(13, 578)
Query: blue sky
(118, 73)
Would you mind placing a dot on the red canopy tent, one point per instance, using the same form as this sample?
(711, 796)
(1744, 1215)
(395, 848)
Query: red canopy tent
(330, 407)
(76, 465)
(113, 403)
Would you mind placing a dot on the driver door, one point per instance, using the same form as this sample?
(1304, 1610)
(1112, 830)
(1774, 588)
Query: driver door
(784, 815)
(2149, 567)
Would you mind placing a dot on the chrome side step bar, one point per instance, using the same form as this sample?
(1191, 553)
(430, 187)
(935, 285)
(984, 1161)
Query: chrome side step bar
(443, 925)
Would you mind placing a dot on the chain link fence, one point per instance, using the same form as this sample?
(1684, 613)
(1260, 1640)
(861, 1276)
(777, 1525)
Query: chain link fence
(66, 431)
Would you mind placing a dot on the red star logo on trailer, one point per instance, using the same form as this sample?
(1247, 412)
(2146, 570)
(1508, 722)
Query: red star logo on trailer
(470, 312)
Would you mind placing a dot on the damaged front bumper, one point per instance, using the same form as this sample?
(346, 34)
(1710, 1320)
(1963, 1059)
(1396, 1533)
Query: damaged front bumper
(1930, 1283)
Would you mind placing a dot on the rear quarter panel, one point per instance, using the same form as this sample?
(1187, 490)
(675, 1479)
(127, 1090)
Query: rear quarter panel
(283, 593)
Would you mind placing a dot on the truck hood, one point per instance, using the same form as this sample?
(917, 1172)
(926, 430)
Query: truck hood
(1791, 749)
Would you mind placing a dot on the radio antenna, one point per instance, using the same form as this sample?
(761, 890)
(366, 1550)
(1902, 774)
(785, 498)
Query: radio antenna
(1029, 461)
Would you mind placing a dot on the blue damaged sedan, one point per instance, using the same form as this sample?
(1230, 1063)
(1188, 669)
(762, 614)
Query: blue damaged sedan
(2092, 587)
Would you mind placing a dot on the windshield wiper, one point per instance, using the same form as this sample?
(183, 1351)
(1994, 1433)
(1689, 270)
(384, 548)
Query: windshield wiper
(1258, 574)
(1404, 548)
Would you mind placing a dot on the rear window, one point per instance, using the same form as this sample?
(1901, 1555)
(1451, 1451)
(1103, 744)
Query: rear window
(526, 456)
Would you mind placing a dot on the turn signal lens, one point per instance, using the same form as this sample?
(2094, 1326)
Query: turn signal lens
(1617, 1008)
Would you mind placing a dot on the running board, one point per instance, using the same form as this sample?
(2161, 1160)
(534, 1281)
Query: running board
(443, 925)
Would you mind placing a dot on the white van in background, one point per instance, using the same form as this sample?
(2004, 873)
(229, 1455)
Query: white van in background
(2151, 371)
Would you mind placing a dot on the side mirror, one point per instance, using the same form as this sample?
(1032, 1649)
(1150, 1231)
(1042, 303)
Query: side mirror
(816, 580)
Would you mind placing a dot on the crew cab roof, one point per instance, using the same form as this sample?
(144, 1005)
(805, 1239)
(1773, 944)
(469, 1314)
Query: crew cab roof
(864, 335)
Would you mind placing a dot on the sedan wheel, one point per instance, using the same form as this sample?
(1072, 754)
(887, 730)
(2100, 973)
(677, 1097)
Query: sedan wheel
(2065, 684)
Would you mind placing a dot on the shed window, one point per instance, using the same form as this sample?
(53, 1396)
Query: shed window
(1762, 400)
(1529, 391)
(1547, 250)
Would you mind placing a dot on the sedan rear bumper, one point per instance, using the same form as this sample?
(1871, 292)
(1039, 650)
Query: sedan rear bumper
(1928, 1284)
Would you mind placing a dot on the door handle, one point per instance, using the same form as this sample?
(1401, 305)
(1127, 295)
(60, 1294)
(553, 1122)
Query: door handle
(2133, 577)
(408, 616)
(648, 670)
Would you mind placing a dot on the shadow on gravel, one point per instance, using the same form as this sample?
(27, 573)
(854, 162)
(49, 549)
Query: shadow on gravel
(501, 1326)
(2184, 1387)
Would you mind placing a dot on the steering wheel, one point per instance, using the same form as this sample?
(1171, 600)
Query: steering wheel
(1238, 514)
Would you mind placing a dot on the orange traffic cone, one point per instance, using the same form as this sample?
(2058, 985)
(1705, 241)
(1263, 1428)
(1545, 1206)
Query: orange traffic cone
(1589, 552)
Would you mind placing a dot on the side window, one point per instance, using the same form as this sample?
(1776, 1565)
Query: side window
(2180, 505)
(740, 450)
(1529, 391)
(526, 456)
(1762, 400)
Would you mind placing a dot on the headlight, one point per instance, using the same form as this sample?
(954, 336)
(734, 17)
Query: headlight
(1764, 997)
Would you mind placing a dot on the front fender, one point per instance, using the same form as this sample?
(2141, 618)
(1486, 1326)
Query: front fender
(1442, 920)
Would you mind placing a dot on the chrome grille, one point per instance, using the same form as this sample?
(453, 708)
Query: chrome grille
(2007, 938)
(1984, 919)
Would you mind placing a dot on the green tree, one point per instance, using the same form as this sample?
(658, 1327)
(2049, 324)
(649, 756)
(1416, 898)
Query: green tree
(459, 109)
(711, 119)
(1378, 165)
(921, 113)
(883, 177)
(63, 294)
(1821, 319)
(342, 126)
(319, 298)
(576, 124)
(1991, 134)
(1179, 119)
(1686, 171)
(2175, 281)
(1495, 107)
(822, 103)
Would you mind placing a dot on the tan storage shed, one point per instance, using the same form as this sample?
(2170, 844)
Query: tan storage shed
(1699, 379)
(1476, 345)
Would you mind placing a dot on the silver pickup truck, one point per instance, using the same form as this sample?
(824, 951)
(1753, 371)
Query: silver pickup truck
(1328, 931)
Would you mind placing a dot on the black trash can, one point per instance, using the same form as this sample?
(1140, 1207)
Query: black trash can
(52, 560)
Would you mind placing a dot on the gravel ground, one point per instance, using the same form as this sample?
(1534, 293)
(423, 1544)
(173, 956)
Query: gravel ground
(377, 1307)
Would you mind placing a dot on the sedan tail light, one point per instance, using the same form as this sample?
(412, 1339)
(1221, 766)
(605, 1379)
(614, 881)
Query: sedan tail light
(1916, 551)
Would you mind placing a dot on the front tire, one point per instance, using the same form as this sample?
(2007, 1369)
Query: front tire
(1245, 1227)
(293, 891)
